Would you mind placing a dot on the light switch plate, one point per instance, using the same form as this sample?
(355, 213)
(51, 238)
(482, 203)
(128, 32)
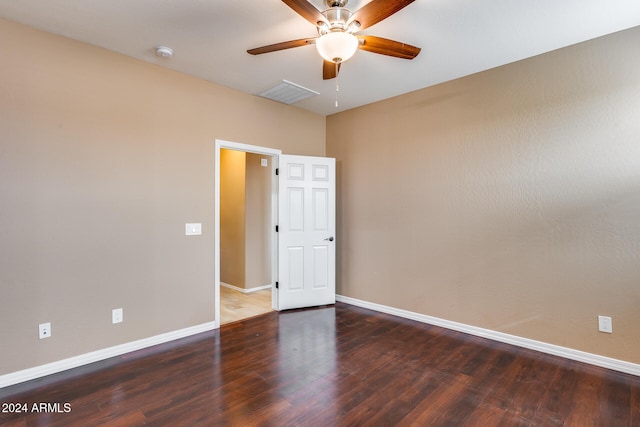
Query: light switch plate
(264, 163)
(193, 229)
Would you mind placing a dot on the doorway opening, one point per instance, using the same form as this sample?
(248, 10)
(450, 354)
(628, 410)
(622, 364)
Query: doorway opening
(245, 216)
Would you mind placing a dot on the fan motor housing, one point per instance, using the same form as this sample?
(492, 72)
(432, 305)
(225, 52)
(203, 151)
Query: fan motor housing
(338, 17)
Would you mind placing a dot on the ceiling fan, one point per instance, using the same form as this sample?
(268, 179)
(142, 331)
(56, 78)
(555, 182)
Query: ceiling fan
(337, 27)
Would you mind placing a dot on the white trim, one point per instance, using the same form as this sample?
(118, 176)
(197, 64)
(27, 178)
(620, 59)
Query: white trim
(245, 290)
(556, 350)
(275, 154)
(96, 356)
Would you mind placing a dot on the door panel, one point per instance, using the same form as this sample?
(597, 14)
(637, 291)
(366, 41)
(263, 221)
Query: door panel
(306, 244)
(296, 209)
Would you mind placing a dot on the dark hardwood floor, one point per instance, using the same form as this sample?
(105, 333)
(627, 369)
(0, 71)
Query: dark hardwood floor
(331, 366)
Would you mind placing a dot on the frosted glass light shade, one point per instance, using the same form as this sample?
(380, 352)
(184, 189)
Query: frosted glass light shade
(337, 46)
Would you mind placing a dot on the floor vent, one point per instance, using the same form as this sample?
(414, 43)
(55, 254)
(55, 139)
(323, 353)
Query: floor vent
(287, 93)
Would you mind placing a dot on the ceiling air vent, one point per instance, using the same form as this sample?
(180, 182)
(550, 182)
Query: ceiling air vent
(287, 93)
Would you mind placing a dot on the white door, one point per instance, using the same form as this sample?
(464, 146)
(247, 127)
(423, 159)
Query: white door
(306, 236)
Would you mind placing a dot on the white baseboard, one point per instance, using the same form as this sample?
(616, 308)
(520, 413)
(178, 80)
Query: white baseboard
(243, 290)
(96, 356)
(556, 350)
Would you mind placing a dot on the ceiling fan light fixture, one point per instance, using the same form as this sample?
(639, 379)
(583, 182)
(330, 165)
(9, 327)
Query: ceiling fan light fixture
(337, 46)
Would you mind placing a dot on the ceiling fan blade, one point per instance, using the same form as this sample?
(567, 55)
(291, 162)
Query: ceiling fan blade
(388, 47)
(282, 46)
(330, 70)
(377, 10)
(306, 10)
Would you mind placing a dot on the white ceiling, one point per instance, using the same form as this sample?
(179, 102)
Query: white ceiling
(210, 39)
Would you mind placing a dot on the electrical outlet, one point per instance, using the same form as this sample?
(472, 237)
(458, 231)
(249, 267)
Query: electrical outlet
(605, 324)
(116, 315)
(44, 330)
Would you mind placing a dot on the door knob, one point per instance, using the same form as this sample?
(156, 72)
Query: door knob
(329, 239)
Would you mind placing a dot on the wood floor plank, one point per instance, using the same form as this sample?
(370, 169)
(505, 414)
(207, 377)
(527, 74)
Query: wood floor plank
(619, 390)
(634, 410)
(332, 366)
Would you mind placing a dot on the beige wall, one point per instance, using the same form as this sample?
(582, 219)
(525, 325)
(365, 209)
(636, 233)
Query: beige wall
(103, 159)
(245, 219)
(232, 217)
(507, 200)
(258, 222)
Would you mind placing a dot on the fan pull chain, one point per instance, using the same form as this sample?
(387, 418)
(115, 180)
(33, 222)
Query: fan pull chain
(337, 83)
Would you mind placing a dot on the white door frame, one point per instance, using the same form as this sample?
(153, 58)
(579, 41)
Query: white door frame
(220, 144)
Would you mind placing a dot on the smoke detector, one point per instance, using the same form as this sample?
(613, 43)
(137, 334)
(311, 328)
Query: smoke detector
(164, 52)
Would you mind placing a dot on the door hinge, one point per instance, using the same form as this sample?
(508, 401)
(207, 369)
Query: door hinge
(277, 171)
(277, 285)
(277, 229)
